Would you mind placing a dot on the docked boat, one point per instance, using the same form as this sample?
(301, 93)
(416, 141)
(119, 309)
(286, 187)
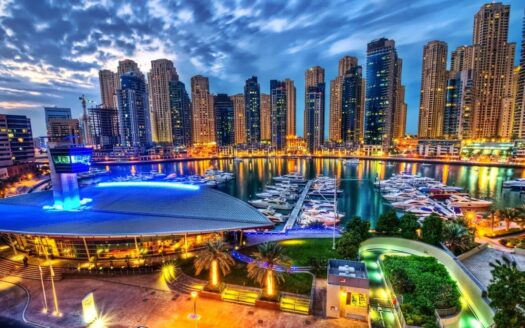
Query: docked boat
(351, 161)
(516, 183)
(463, 201)
(273, 215)
(277, 203)
(410, 203)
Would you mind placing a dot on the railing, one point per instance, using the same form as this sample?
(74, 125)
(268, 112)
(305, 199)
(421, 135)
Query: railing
(390, 288)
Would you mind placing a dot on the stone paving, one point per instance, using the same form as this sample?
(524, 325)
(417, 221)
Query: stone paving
(478, 264)
(146, 301)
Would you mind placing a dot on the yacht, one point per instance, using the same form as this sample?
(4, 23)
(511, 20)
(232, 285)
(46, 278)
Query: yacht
(277, 203)
(411, 203)
(351, 161)
(516, 183)
(463, 201)
(273, 215)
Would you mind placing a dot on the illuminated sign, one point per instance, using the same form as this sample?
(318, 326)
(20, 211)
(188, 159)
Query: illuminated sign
(71, 160)
(173, 185)
(89, 310)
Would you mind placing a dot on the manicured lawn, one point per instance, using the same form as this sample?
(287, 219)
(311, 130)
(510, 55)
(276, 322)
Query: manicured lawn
(300, 283)
(302, 250)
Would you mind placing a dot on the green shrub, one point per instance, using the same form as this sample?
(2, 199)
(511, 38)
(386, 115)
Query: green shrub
(425, 285)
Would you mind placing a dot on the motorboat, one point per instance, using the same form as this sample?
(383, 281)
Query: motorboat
(400, 196)
(516, 183)
(277, 203)
(463, 201)
(271, 214)
(410, 203)
(351, 161)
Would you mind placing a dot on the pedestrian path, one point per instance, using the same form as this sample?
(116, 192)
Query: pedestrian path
(297, 208)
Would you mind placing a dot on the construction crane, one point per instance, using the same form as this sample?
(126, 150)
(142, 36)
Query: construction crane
(86, 131)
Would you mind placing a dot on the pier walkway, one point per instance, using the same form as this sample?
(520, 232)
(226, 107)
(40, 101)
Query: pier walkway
(297, 208)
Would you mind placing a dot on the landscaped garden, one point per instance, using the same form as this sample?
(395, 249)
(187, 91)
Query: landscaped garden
(422, 285)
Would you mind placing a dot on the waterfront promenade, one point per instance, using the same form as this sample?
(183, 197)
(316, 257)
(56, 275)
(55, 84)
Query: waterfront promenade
(327, 156)
(297, 208)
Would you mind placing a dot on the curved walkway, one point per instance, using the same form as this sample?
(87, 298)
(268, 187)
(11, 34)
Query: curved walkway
(471, 289)
(26, 305)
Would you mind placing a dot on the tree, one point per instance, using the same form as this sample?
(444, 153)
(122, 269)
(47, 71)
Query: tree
(348, 245)
(509, 215)
(269, 266)
(457, 237)
(432, 231)
(359, 226)
(507, 294)
(408, 226)
(215, 256)
(387, 223)
(400, 279)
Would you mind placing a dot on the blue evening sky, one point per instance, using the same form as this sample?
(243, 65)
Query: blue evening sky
(51, 51)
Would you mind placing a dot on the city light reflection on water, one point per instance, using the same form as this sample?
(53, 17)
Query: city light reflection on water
(360, 197)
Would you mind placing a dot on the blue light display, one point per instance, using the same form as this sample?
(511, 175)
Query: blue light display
(173, 185)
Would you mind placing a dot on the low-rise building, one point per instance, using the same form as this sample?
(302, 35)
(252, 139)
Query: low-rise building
(439, 148)
(348, 290)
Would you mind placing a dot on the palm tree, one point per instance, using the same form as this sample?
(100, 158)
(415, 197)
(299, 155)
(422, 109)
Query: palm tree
(457, 236)
(509, 215)
(214, 257)
(269, 266)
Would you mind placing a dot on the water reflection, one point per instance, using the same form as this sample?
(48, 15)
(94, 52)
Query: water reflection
(360, 197)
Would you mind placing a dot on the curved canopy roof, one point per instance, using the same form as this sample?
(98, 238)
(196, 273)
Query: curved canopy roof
(133, 209)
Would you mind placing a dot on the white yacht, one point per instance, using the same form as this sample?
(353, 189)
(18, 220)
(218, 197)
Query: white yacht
(463, 201)
(277, 203)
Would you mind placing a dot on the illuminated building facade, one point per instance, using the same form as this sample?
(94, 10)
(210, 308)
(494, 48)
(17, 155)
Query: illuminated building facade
(279, 114)
(202, 110)
(384, 94)
(266, 118)
(518, 130)
(352, 108)
(132, 105)
(314, 110)
(252, 110)
(224, 120)
(291, 107)
(239, 120)
(180, 114)
(433, 89)
(103, 122)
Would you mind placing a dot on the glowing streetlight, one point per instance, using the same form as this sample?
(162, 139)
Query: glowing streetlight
(194, 315)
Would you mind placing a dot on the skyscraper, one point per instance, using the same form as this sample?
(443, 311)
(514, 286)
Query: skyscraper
(279, 114)
(464, 57)
(493, 71)
(352, 103)
(252, 109)
(519, 106)
(162, 73)
(314, 107)
(239, 120)
(266, 119)
(20, 138)
(457, 116)
(433, 89)
(338, 98)
(291, 129)
(108, 85)
(180, 113)
(224, 120)
(202, 110)
(384, 93)
(63, 113)
(103, 122)
(133, 115)
(128, 65)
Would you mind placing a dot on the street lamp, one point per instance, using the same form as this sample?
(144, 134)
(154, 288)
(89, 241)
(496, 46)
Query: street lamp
(194, 315)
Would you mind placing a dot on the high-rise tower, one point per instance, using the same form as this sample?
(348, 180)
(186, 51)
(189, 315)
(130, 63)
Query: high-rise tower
(252, 99)
(314, 107)
(433, 89)
(519, 107)
(161, 74)
(202, 110)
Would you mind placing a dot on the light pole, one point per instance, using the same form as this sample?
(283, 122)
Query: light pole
(45, 309)
(194, 315)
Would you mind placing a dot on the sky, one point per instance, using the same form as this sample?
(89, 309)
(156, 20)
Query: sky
(51, 51)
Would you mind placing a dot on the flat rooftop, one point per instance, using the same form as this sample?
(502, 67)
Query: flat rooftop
(131, 209)
(346, 269)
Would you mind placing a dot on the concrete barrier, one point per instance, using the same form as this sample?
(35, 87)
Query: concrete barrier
(474, 251)
(470, 289)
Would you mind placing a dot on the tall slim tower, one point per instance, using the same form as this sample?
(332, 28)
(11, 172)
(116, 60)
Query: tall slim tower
(291, 110)
(314, 107)
(493, 70)
(433, 89)
(224, 120)
(252, 99)
(180, 114)
(384, 93)
(279, 113)
(108, 85)
(239, 119)
(519, 107)
(336, 98)
(352, 106)
(161, 74)
(266, 119)
(202, 109)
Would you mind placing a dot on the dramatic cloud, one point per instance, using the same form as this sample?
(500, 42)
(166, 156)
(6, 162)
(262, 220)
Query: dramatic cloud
(51, 51)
